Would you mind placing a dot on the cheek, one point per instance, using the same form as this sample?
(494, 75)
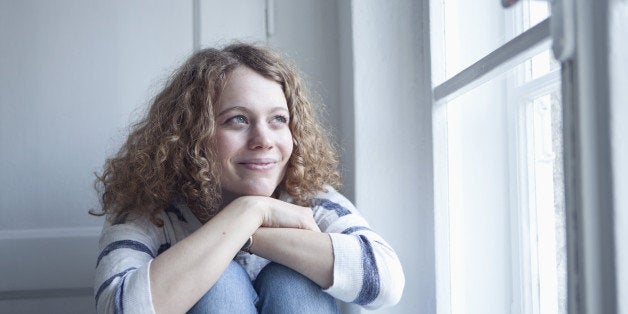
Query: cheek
(287, 144)
(223, 146)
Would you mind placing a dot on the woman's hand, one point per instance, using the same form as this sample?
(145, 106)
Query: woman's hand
(278, 214)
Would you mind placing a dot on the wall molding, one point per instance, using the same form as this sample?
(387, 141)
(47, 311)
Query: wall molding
(48, 263)
(46, 293)
(49, 233)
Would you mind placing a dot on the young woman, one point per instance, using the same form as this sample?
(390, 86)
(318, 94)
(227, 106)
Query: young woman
(224, 200)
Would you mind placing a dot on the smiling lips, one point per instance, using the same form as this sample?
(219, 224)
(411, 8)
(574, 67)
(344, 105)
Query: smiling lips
(258, 163)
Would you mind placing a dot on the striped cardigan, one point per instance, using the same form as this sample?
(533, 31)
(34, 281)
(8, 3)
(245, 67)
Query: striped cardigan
(366, 269)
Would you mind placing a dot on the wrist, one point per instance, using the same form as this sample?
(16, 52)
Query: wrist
(251, 209)
(263, 211)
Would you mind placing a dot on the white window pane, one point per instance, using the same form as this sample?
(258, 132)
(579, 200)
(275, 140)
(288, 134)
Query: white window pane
(465, 31)
(540, 65)
(505, 196)
(480, 248)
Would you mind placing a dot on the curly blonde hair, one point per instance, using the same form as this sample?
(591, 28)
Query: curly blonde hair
(170, 153)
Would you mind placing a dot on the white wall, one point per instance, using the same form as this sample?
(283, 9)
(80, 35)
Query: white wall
(307, 32)
(220, 22)
(393, 146)
(71, 75)
(619, 139)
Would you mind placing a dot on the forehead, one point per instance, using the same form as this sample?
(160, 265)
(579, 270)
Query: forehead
(245, 87)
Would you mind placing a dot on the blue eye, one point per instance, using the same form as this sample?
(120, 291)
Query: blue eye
(237, 119)
(280, 119)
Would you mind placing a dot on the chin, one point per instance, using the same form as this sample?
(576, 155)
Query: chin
(253, 193)
(249, 187)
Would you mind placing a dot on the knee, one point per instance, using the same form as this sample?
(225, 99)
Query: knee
(232, 293)
(277, 275)
(283, 290)
(234, 280)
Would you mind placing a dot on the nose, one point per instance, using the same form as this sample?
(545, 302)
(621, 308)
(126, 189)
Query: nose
(260, 137)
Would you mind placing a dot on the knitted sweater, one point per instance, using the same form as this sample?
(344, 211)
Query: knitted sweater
(366, 269)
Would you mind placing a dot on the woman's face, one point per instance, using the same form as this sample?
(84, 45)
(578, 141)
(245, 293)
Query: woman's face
(253, 137)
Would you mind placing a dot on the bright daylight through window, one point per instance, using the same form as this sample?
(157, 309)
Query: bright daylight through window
(500, 222)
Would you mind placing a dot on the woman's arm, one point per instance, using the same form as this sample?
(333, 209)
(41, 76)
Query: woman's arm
(181, 275)
(348, 259)
(307, 252)
(366, 269)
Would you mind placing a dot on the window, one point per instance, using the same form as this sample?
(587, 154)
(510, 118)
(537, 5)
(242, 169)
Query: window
(500, 209)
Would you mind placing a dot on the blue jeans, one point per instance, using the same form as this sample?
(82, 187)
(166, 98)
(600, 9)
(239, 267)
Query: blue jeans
(277, 289)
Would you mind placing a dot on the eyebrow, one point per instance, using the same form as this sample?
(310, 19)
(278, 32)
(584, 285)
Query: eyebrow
(240, 108)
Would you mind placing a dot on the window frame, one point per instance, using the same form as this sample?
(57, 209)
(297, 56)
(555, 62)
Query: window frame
(591, 283)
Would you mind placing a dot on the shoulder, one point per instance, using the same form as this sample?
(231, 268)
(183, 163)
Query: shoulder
(333, 212)
(331, 199)
(138, 229)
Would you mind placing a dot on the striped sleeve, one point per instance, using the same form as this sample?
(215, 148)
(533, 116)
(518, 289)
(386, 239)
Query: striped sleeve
(122, 282)
(367, 270)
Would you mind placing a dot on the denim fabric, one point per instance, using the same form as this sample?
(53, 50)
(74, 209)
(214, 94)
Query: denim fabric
(277, 289)
(232, 293)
